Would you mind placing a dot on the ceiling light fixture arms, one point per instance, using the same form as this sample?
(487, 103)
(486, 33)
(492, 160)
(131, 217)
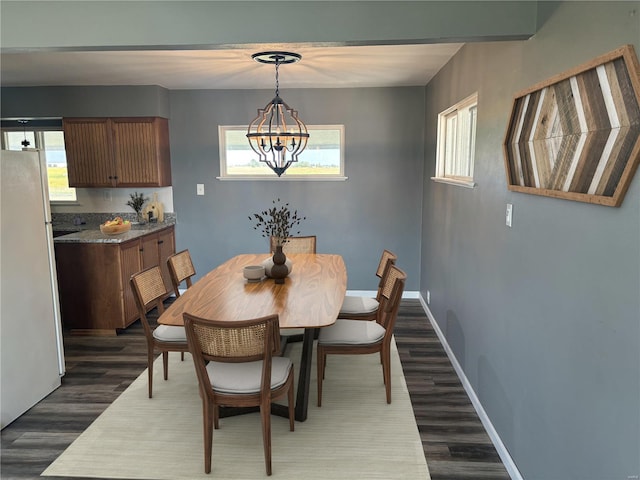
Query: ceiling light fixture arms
(277, 135)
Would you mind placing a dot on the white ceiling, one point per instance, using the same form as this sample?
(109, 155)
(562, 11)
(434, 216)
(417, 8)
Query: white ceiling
(320, 67)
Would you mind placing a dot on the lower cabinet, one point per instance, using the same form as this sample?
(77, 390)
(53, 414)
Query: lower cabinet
(155, 249)
(93, 280)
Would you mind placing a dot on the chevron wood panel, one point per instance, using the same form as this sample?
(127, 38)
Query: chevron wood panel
(577, 135)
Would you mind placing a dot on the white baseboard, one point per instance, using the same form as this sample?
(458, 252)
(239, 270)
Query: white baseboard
(508, 462)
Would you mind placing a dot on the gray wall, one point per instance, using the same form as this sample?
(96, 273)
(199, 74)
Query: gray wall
(125, 101)
(377, 207)
(544, 317)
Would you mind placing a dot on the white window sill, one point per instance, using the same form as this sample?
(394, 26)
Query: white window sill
(455, 181)
(283, 178)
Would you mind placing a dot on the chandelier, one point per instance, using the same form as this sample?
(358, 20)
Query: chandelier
(25, 143)
(277, 135)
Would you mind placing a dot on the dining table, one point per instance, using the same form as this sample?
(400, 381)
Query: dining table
(310, 298)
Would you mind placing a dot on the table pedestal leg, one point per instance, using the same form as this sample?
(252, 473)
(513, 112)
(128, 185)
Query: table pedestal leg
(304, 375)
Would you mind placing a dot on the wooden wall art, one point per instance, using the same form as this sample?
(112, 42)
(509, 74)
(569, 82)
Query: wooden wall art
(577, 135)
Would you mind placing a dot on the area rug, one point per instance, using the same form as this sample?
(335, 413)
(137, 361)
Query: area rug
(354, 435)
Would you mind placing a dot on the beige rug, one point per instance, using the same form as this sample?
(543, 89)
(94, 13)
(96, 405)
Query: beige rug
(355, 435)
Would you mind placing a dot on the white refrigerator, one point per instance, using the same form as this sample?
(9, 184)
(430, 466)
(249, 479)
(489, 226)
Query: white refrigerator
(31, 348)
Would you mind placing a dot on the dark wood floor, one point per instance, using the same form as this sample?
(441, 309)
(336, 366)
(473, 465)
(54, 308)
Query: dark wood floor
(100, 368)
(455, 443)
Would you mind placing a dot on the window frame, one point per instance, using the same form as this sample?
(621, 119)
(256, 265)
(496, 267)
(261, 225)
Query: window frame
(39, 142)
(222, 129)
(462, 141)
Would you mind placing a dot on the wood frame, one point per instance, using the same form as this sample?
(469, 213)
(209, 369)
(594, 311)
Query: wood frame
(576, 135)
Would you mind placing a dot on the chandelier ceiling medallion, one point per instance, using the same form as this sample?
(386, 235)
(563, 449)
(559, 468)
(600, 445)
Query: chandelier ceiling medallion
(277, 135)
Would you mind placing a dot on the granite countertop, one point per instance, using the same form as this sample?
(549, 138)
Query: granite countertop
(88, 233)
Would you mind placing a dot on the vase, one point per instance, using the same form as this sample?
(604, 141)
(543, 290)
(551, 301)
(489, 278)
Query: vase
(279, 271)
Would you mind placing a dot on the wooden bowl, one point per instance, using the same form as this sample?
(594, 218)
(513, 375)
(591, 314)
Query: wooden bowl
(115, 229)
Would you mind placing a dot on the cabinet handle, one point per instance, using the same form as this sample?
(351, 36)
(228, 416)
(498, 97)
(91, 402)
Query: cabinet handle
(141, 250)
(160, 241)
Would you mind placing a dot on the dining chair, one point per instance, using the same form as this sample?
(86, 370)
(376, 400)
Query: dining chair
(236, 367)
(295, 244)
(149, 289)
(365, 308)
(181, 270)
(353, 337)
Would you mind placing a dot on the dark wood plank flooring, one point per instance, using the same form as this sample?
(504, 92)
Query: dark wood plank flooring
(100, 368)
(455, 442)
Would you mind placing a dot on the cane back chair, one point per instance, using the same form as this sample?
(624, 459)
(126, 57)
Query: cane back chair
(364, 308)
(149, 290)
(181, 270)
(236, 367)
(353, 337)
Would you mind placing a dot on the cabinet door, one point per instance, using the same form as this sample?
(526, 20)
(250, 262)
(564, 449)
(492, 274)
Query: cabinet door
(155, 249)
(166, 248)
(130, 263)
(140, 156)
(149, 250)
(89, 153)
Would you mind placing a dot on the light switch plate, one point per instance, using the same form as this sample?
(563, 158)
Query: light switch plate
(200, 188)
(509, 214)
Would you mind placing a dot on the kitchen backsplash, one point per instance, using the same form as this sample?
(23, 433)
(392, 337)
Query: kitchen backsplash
(79, 219)
(108, 200)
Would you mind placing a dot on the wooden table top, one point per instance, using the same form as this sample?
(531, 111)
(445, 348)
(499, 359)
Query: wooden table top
(311, 296)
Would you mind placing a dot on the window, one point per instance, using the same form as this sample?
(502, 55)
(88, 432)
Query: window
(457, 143)
(52, 142)
(322, 159)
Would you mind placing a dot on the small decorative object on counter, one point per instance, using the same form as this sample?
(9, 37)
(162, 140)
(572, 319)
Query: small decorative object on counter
(277, 221)
(154, 211)
(136, 202)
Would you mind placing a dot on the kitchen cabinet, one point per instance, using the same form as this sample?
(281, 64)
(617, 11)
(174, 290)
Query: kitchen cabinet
(93, 280)
(155, 249)
(117, 152)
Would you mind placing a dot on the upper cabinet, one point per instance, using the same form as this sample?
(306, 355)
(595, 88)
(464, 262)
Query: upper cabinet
(118, 152)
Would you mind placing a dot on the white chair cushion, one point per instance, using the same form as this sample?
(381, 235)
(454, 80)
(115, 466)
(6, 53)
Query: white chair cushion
(351, 332)
(354, 305)
(238, 378)
(168, 333)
